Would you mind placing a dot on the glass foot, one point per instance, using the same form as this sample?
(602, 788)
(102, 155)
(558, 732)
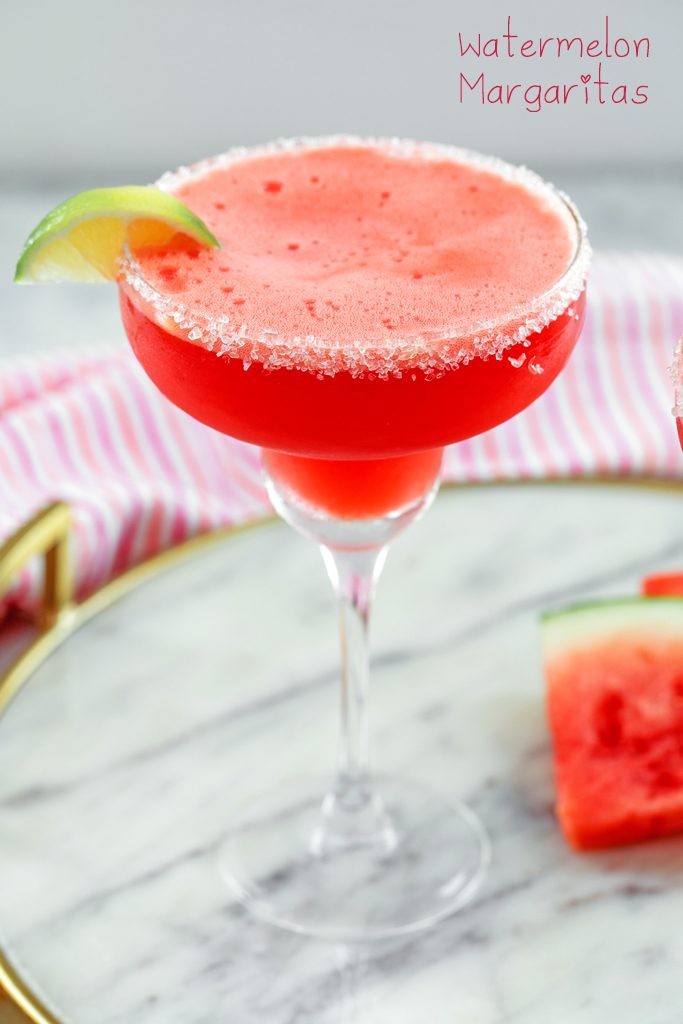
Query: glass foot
(397, 865)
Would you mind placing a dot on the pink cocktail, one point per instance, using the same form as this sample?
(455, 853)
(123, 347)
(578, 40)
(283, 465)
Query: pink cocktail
(371, 302)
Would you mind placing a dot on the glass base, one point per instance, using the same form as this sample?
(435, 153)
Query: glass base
(399, 864)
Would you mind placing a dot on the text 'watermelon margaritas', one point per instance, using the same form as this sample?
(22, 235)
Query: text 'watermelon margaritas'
(370, 302)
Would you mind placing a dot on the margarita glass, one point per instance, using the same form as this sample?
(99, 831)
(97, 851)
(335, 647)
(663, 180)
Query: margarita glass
(677, 377)
(373, 301)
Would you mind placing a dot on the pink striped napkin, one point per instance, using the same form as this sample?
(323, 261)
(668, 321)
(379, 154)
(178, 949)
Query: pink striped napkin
(141, 476)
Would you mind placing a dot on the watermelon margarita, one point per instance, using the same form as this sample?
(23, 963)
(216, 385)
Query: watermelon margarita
(371, 303)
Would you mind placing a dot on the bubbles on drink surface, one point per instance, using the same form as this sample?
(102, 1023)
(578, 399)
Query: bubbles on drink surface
(368, 257)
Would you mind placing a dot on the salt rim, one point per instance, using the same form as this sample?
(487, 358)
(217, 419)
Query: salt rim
(676, 374)
(431, 352)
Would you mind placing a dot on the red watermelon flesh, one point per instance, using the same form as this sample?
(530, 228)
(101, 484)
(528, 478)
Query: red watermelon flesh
(662, 584)
(614, 674)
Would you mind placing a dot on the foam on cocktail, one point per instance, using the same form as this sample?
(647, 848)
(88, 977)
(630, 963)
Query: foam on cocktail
(337, 256)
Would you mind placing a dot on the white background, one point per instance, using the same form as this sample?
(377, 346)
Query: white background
(96, 91)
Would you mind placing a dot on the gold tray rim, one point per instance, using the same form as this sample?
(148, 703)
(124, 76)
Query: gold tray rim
(15, 990)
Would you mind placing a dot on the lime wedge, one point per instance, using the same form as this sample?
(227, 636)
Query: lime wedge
(84, 237)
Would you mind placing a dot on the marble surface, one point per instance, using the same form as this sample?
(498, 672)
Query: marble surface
(126, 757)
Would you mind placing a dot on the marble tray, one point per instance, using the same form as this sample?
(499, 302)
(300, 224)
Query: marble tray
(132, 745)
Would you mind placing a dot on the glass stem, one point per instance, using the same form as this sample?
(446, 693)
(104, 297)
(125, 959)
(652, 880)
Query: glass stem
(354, 575)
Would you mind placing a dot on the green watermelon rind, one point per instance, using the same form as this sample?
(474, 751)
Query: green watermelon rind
(580, 625)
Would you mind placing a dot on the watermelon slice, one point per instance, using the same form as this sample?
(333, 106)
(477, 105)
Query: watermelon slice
(663, 584)
(614, 674)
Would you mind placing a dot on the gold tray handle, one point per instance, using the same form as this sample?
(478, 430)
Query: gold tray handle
(47, 534)
(18, 1004)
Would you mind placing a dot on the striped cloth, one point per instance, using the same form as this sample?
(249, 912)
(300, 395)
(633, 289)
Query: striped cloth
(141, 475)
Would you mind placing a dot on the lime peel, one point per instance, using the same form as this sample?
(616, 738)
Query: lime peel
(84, 237)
